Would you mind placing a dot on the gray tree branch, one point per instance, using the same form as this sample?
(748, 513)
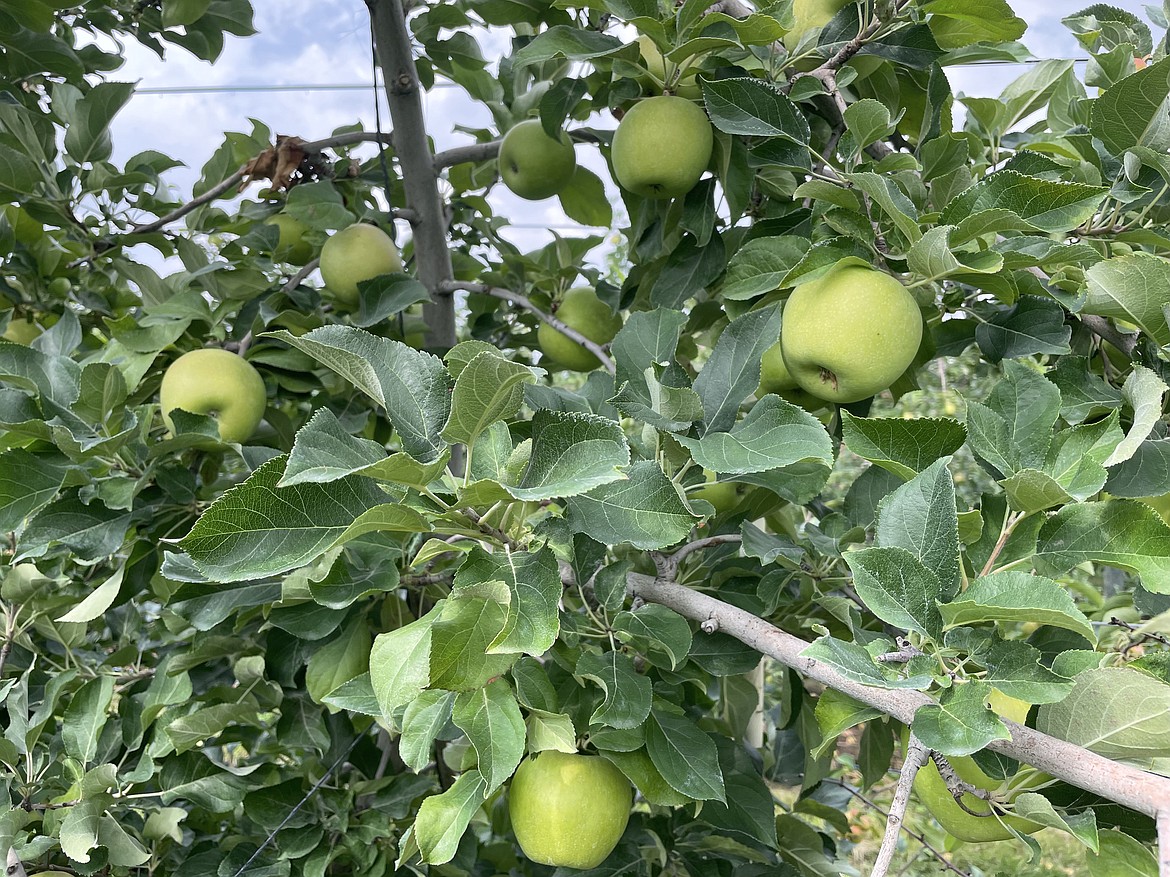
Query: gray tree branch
(916, 755)
(1129, 786)
(404, 95)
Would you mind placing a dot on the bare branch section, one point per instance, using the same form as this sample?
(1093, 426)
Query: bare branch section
(461, 154)
(1129, 786)
(416, 162)
(522, 301)
(916, 755)
(671, 563)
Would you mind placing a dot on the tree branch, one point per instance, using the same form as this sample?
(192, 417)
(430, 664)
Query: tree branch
(522, 301)
(13, 867)
(403, 93)
(296, 279)
(671, 564)
(461, 154)
(1129, 786)
(916, 755)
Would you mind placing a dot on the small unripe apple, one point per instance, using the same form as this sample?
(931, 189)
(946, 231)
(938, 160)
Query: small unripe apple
(850, 333)
(291, 245)
(582, 310)
(22, 331)
(216, 382)
(661, 147)
(359, 252)
(534, 165)
(723, 495)
(568, 810)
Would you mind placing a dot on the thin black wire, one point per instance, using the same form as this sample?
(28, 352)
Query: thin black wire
(293, 812)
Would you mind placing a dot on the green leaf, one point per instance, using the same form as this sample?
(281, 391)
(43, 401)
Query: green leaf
(904, 447)
(85, 717)
(688, 271)
(97, 601)
(868, 120)
(1120, 855)
(488, 389)
(584, 200)
(960, 723)
(442, 819)
(750, 810)
(20, 176)
(1014, 596)
(87, 132)
(187, 732)
(733, 370)
(892, 201)
(258, 529)
(1013, 429)
(534, 586)
(1132, 112)
(1135, 288)
(685, 756)
(342, 659)
(1046, 205)
(356, 696)
(921, 517)
(1122, 533)
(79, 829)
(936, 256)
(460, 660)
(563, 41)
(89, 530)
(1143, 390)
(774, 434)
(1034, 325)
(640, 770)
(178, 13)
(323, 452)
(1017, 669)
(958, 23)
(411, 386)
(571, 454)
(753, 108)
(1146, 473)
(28, 483)
(672, 409)
(761, 265)
(1113, 711)
(490, 717)
(400, 663)
(898, 588)
(656, 631)
(423, 721)
(648, 339)
(644, 510)
(627, 694)
(855, 663)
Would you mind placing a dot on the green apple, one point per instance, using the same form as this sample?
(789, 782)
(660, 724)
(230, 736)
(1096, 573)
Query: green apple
(582, 310)
(22, 331)
(534, 165)
(687, 84)
(808, 14)
(932, 789)
(661, 147)
(850, 333)
(291, 245)
(216, 382)
(359, 252)
(568, 810)
(775, 378)
(724, 495)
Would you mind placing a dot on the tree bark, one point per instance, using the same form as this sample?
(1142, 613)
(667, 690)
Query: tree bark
(432, 257)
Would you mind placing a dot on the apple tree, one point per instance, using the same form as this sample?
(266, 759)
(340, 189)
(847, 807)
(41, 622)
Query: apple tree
(471, 560)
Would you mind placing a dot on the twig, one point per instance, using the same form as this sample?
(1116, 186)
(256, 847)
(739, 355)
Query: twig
(1004, 535)
(916, 755)
(956, 785)
(673, 561)
(1101, 327)
(926, 845)
(488, 530)
(905, 651)
(420, 581)
(1163, 843)
(296, 279)
(522, 301)
(9, 633)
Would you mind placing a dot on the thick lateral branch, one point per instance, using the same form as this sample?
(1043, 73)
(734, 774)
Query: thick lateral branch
(1134, 788)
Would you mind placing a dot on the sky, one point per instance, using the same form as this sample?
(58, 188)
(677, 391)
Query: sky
(326, 42)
